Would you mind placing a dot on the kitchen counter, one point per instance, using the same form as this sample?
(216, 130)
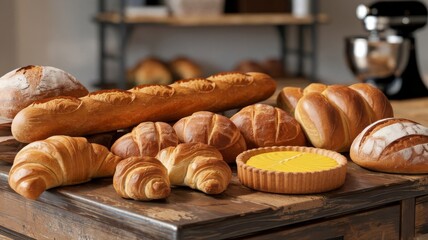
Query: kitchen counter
(370, 205)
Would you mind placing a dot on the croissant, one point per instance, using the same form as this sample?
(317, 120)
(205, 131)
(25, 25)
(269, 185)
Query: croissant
(332, 116)
(213, 129)
(59, 161)
(141, 178)
(196, 165)
(146, 139)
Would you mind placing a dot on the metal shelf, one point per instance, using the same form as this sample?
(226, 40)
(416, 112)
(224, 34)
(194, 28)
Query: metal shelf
(281, 22)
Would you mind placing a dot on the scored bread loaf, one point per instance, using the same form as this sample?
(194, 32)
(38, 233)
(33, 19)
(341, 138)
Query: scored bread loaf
(141, 178)
(146, 139)
(266, 126)
(21, 87)
(394, 145)
(59, 161)
(196, 165)
(212, 129)
(332, 116)
(110, 110)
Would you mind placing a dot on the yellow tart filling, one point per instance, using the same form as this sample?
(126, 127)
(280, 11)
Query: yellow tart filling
(292, 161)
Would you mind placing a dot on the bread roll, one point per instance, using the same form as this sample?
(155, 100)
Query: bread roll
(184, 68)
(146, 139)
(264, 126)
(392, 145)
(274, 67)
(196, 165)
(151, 71)
(21, 87)
(212, 129)
(141, 178)
(248, 66)
(332, 116)
(59, 161)
(110, 110)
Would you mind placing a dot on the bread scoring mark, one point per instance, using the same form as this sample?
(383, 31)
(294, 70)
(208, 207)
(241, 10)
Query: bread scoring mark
(378, 125)
(376, 142)
(198, 84)
(417, 154)
(113, 96)
(409, 147)
(155, 90)
(233, 78)
(24, 69)
(58, 105)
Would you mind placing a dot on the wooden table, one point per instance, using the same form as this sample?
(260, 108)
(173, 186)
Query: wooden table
(370, 205)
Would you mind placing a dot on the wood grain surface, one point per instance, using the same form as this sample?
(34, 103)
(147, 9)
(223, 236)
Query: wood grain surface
(397, 204)
(94, 209)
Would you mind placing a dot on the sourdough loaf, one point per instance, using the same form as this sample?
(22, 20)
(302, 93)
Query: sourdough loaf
(21, 87)
(394, 145)
(110, 110)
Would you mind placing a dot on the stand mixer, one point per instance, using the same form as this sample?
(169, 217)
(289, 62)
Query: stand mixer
(387, 57)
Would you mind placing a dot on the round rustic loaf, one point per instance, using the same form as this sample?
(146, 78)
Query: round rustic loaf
(394, 145)
(21, 87)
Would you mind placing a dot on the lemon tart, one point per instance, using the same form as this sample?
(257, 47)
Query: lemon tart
(291, 170)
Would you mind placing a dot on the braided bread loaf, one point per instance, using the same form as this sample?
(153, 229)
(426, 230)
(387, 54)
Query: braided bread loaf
(332, 116)
(110, 110)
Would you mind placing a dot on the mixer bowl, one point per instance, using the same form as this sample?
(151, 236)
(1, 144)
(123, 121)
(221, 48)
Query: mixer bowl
(376, 58)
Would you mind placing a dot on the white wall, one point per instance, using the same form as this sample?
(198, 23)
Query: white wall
(61, 33)
(7, 39)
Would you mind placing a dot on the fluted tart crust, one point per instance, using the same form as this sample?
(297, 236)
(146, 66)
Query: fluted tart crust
(294, 181)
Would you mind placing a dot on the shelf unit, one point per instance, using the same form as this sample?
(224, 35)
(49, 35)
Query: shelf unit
(281, 21)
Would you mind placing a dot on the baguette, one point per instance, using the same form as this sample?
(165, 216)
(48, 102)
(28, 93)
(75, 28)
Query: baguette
(109, 110)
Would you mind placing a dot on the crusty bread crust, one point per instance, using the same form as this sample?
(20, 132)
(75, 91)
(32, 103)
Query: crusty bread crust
(21, 87)
(110, 110)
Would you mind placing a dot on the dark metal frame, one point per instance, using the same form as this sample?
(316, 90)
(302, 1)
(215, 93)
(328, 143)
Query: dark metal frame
(124, 30)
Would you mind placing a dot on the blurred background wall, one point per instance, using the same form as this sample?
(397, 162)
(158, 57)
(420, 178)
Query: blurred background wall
(61, 33)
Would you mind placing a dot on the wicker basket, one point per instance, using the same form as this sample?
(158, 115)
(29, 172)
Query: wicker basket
(196, 7)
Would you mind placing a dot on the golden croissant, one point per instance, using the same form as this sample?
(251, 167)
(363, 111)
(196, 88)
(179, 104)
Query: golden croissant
(196, 165)
(141, 178)
(59, 161)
